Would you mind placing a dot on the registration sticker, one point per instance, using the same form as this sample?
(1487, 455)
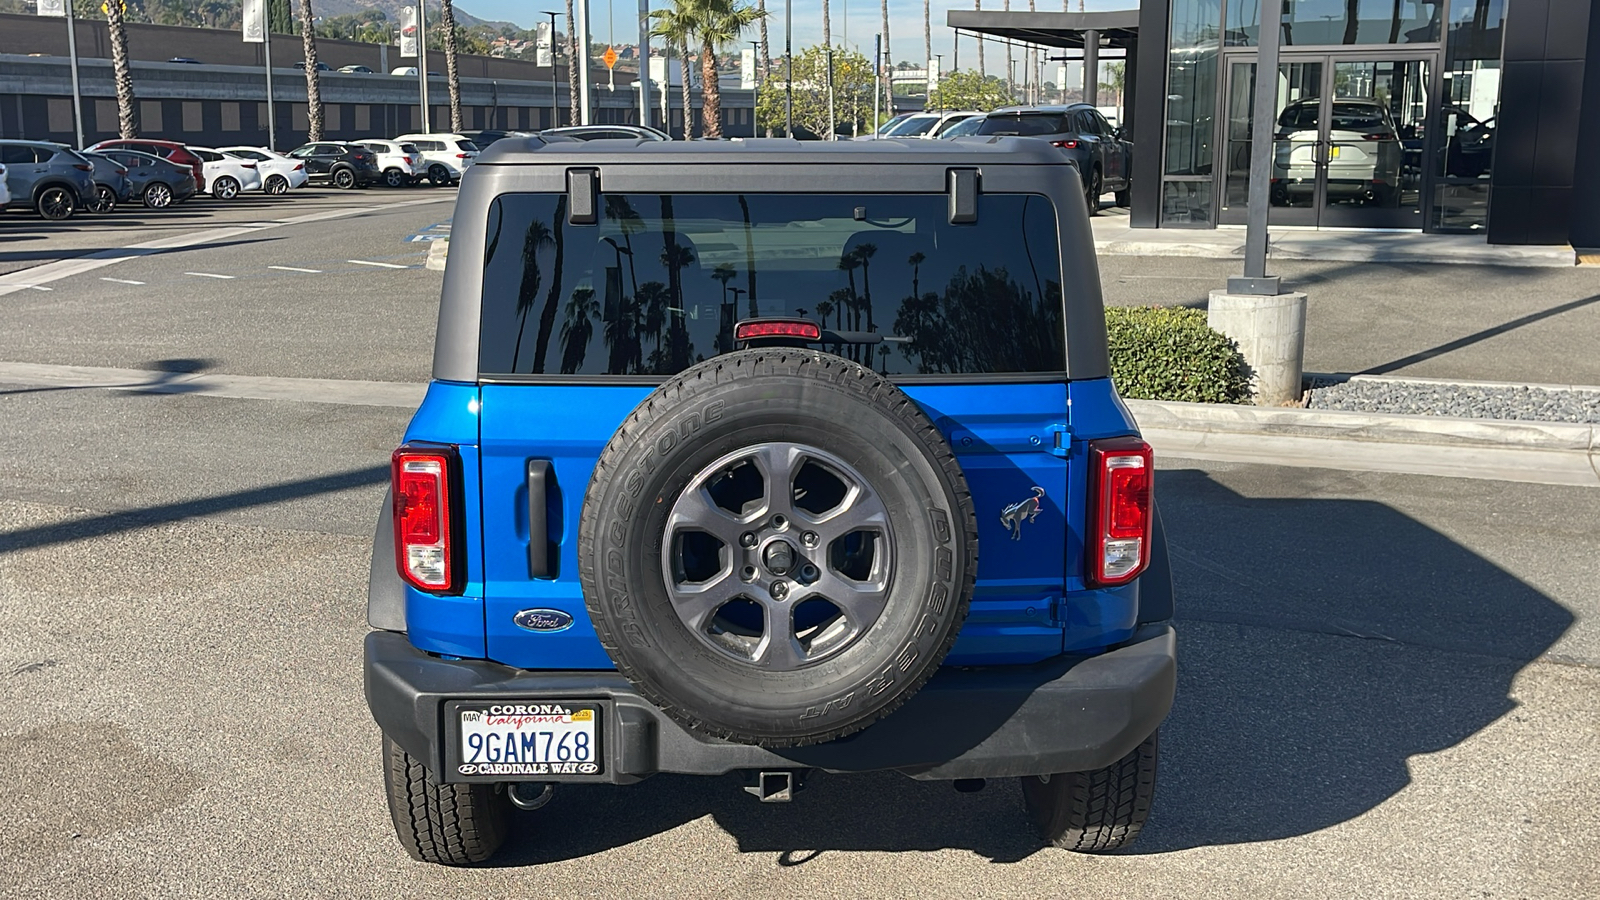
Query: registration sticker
(1333, 152)
(529, 738)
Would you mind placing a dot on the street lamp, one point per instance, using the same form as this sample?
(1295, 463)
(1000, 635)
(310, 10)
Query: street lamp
(755, 79)
(788, 70)
(555, 114)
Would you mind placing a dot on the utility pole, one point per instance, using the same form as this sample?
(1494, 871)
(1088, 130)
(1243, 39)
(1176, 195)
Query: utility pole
(831, 135)
(877, 81)
(788, 70)
(77, 94)
(644, 62)
(555, 112)
(666, 87)
(422, 63)
(272, 118)
(755, 96)
(583, 61)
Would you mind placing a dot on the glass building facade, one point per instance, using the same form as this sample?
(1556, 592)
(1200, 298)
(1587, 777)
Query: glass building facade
(1386, 112)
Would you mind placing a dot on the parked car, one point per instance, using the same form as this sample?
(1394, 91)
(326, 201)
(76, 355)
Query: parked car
(172, 150)
(1103, 158)
(184, 59)
(752, 543)
(227, 176)
(964, 128)
(355, 70)
(5, 189)
(401, 164)
(923, 125)
(321, 66)
(50, 179)
(342, 165)
(892, 122)
(279, 173)
(112, 186)
(606, 132)
(405, 70)
(445, 156)
(1364, 153)
(484, 138)
(157, 183)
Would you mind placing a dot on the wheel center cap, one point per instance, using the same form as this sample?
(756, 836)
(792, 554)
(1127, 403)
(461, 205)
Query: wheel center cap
(779, 557)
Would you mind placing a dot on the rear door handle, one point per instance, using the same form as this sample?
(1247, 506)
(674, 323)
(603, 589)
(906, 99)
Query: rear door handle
(538, 519)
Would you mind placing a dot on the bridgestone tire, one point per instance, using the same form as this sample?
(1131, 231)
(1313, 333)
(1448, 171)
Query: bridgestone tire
(1098, 811)
(448, 824)
(725, 406)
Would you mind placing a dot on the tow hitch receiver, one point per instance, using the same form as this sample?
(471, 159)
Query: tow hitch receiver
(774, 787)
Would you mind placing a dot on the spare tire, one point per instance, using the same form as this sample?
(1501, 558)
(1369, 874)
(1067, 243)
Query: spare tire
(777, 617)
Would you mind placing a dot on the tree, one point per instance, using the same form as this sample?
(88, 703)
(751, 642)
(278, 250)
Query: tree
(447, 16)
(578, 328)
(714, 25)
(676, 27)
(827, 25)
(927, 33)
(572, 66)
(978, 5)
(127, 114)
(883, 61)
(280, 18)
(852, 79)
(308, 38)
(1116, 80)
(969, 90)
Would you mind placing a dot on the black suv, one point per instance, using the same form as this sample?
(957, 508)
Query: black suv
(341, 165)
(776, 458)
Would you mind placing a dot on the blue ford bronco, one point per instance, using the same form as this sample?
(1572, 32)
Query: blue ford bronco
(774, 458)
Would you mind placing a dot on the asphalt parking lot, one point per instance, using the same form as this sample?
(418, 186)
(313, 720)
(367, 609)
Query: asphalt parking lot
(1388, 688)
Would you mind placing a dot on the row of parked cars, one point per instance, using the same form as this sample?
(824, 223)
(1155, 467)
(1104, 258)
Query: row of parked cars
(58, 182)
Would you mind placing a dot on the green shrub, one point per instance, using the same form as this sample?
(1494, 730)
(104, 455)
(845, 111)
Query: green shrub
(1170, 353)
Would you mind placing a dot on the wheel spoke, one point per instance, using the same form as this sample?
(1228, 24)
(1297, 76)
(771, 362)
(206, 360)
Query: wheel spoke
(778, 464)
(695, 603)
(696, 511)
(779, 650)
(861, 510)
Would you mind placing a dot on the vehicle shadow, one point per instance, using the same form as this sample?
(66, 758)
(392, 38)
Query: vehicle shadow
(1322, 644)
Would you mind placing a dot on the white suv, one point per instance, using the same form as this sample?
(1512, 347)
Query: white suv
(400, 163)
(444, 156)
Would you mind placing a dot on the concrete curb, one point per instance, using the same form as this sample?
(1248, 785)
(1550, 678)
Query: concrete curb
(1374, 247)
(438, 252)
(1539, 452)
(1341, 377)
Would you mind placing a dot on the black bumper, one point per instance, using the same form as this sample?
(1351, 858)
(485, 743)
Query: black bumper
(1068, 715)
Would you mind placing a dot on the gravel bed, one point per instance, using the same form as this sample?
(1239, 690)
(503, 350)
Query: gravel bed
(1459, 400)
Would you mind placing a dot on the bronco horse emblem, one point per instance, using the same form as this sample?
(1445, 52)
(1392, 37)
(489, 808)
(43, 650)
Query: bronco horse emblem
(1027, 510)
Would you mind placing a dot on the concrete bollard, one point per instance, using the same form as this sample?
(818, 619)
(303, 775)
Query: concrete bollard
(438, 252)
(1271, 333)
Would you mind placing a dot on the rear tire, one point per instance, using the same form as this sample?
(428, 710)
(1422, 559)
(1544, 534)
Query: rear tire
(394, 178)
(1124, 198)
(55, 203)
(105, 199)
(1092, 191)
(157, 196)
(225, 189)
(447, 824)
(344, 179)
(438, 175)
(1098, 811)
(277, 184)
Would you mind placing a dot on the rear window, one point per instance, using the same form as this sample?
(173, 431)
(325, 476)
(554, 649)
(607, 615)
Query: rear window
(661, 281)
(1026, 124)
(913, 126)
(467, 146)
(408, 148)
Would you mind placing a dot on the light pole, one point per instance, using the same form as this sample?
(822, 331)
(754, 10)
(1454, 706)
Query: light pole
(77, 94)
(788, 70)
(755, 96)
(422, 64)
(644, 62)
(555, 113)
(583, 61)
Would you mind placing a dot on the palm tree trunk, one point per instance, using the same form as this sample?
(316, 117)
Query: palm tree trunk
(127, 113)
(710, 92)
(308, 38)
(1011, 83)
(547, 316)
(927, 33)
(447, 16)
(683, 66)
(1352, 20)
(888, 66)
(827, 25)
(572, 67)
(765, 52)
(978, 5)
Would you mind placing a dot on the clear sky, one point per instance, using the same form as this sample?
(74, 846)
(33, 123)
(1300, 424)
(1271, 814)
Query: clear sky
(859, 19)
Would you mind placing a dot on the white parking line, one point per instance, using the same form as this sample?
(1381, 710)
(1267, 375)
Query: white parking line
(362, 262)
(296, 269)
(122, 281)
(37, 287)
(207, 275)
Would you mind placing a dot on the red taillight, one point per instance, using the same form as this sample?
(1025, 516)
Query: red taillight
(1121, 479)
(248, 165)
(769, 328)
(299, 166)
(1065, 145)
(423, 517)
(461, 156)
(1384, 136)
(83, 167)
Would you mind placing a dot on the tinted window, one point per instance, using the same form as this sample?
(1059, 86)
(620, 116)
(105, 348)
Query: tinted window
(1359, 117)
(914, 126)
(1025, 124)
(16, 153)
(661, 281)
(408, 148)
(467, 146)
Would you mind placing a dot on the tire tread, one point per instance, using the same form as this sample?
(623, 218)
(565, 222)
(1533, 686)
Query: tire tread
(447, 824)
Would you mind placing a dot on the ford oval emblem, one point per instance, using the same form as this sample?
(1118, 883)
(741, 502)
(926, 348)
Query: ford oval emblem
(543, 620)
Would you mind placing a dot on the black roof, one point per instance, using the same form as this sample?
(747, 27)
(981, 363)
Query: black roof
(960, 151)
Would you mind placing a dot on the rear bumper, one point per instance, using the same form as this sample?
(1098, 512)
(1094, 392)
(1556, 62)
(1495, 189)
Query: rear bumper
(1066, 715)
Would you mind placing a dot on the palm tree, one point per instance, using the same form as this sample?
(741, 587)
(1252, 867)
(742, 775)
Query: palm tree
(308, 38)
(578, 328)
(1011, 84)
(824, 307)
(978, 5)
(916, 260)
(717, 24)
(849, 262)
(528, 291)
(865, 252)
(927, 34)
(127, 113)
(572, 65)
(887, 64)
(676, 26)
(827, 25)
(447, 19)
(749, 256)
(723, 274)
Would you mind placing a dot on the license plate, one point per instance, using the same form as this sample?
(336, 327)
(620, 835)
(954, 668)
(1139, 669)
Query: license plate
(529, 738)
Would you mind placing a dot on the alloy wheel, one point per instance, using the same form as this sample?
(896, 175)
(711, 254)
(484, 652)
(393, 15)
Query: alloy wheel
(344, 179)
(778, 555)
(226, 189)
(439, 175)
(277, 184)
(56, 203)
(158, 196)
(394, 178)
(105, 199)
